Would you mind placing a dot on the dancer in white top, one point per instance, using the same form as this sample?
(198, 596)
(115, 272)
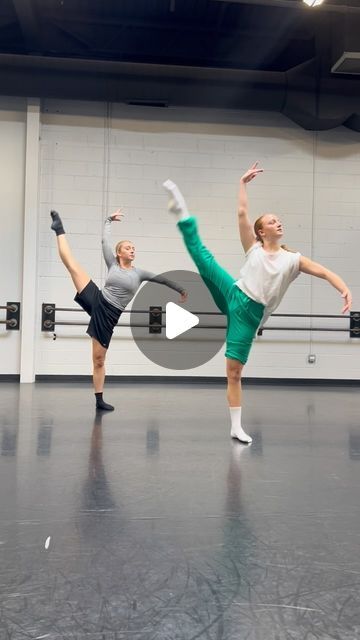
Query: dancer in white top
(248, 301)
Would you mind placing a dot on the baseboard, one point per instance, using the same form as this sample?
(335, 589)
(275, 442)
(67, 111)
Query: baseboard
(9, 377)
(304, 382)
(134, 379)
(208, 380)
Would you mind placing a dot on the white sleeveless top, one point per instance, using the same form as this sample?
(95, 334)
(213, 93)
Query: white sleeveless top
(265, 276)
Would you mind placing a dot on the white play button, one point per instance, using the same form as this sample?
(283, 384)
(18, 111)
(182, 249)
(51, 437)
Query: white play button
(178, 320)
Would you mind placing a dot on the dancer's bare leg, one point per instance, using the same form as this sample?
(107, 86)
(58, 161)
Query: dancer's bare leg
(233, 372)
(79, 277)
(99, 355)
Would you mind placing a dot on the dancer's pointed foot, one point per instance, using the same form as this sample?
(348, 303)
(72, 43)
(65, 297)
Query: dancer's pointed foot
(57, 224)
(176, 204)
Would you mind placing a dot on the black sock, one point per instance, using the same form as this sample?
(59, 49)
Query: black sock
(100, 404)
(57, 224)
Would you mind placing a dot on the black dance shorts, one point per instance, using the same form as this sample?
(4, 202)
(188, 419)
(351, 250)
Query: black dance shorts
(103, 315)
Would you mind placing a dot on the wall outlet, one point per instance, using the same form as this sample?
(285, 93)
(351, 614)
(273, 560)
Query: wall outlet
(311, 358)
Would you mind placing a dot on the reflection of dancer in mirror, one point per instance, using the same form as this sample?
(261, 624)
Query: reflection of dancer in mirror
(106, 305)
(247, 302)
(96, 493)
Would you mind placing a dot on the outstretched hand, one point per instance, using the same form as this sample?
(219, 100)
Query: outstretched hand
(117, 216)
(184, 296)
(347, 301)
(251, 173)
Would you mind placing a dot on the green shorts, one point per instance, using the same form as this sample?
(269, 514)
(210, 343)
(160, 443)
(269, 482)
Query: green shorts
(243, 314)
(244, 317)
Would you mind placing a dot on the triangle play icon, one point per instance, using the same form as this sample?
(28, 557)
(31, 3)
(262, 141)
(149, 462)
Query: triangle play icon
(178, 320)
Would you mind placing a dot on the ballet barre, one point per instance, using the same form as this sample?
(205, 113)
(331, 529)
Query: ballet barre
(155, 320)
(12, 321)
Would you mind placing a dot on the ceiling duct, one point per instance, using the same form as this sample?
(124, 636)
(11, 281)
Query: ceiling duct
(349, 62)
(346, 45)
(314, 101)
(317, 102)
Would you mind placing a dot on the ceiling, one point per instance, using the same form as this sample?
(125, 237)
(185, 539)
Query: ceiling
(258, 54)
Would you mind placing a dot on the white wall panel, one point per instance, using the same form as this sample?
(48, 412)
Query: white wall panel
(12, 161)
(91, 165)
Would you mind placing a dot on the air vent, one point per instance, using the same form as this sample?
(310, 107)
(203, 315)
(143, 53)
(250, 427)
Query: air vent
(148, 103)
(349, 63)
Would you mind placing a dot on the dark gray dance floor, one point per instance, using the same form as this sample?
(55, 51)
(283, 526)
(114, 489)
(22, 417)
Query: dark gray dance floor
(151, 524)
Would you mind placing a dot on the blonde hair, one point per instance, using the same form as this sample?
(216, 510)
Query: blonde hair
(118, 247)
(258, 226)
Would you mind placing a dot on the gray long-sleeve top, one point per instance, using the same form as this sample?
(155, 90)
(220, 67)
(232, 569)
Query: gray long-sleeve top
(122, 284)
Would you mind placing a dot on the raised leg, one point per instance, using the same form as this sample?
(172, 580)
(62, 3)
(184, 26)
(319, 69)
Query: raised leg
(217, 280)
(79, 276)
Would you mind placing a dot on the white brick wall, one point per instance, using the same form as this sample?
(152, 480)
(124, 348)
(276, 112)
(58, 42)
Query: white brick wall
(12, 150)
(311, 181)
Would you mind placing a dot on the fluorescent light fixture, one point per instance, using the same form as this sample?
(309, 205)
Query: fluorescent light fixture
(313, 3)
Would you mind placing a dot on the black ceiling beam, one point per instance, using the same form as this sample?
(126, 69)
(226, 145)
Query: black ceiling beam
(32, 62)
(28, 23)
(168, 26)
(294, 34)
(140, 84)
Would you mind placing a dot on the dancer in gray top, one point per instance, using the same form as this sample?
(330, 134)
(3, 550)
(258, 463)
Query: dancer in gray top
(105, 306)
(122, 283)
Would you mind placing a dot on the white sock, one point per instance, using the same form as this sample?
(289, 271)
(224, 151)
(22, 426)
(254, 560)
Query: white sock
(176, 202)
(236, 429)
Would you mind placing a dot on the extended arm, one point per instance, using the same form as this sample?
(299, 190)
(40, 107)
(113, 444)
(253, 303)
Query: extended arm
(247, 235)
(151, 277)
(106, 247)
(315, 269)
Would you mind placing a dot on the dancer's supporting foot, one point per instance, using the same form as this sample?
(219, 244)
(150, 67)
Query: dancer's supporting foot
(237, 432)
(101, 405)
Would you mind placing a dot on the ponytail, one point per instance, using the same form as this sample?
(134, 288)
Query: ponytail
(286, 248)
(257, 227)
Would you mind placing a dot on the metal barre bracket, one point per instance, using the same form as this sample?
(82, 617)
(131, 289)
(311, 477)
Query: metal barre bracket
(12, 321)
(47, 317)
(354, 324)
(155, 319)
